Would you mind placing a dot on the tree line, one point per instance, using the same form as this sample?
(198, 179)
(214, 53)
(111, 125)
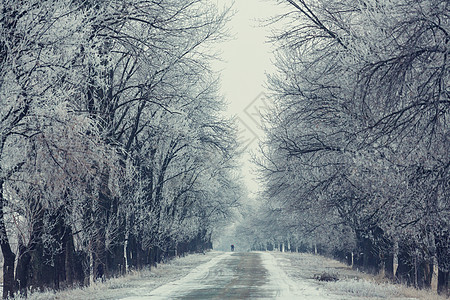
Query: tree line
(114, 152)
(356, 158)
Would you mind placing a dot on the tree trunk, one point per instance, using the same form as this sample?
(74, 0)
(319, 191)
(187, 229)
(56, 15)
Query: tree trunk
(8, 271)
(8, 274)
(22, 269)
(434, 275)
(69, 249)
(382, 267)
(91, 263)
(395, 260)
(416, 274)
(125, 256)
(8, 256)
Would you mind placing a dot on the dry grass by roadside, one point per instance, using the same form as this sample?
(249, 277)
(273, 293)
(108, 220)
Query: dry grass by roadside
(133, 284)
(421, 294)
(352, 284)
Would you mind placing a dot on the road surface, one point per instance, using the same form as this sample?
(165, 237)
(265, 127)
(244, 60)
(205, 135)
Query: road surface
(236, 275)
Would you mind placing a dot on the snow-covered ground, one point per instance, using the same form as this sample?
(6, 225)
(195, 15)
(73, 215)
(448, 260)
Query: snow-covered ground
(136, 283)
(303, 268)
(191, 281)
(290, 288)
(225, 275)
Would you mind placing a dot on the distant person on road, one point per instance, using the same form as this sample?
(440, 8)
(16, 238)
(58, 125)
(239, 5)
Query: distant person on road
(232, 248)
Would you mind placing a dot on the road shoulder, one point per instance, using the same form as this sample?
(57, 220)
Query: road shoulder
(287, 286)
(135, 283)
(303, 268)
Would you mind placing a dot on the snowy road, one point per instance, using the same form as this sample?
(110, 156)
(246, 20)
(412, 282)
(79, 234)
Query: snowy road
(235, 276)
(255, 275)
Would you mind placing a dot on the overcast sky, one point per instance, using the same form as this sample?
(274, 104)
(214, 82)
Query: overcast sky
(246, 59)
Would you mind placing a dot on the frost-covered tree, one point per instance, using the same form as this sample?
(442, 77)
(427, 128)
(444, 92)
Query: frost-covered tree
(34, 53)
(112, 144)
(359, 131)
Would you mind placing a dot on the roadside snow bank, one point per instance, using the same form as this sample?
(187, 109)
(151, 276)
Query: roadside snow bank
(302, 268)
(183, 284)
(133, 284)
(363, 288)
(286, 287)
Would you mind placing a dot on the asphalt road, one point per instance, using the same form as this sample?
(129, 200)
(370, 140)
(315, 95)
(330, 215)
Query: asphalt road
(240, 276)
(231, 276)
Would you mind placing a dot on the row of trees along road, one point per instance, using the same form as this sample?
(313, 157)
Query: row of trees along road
(113, 152)
(356, 156)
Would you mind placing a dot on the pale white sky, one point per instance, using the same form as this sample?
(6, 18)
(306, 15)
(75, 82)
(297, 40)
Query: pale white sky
(246, 60)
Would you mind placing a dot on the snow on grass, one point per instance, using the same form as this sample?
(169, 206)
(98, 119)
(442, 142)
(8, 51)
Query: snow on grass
(351, 284)
(363, 288)
(291, 276)
(134, 284)
(182, 285)
(287, 287)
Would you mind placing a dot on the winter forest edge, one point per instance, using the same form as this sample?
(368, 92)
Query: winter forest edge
(355, 163)
(115, 152)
